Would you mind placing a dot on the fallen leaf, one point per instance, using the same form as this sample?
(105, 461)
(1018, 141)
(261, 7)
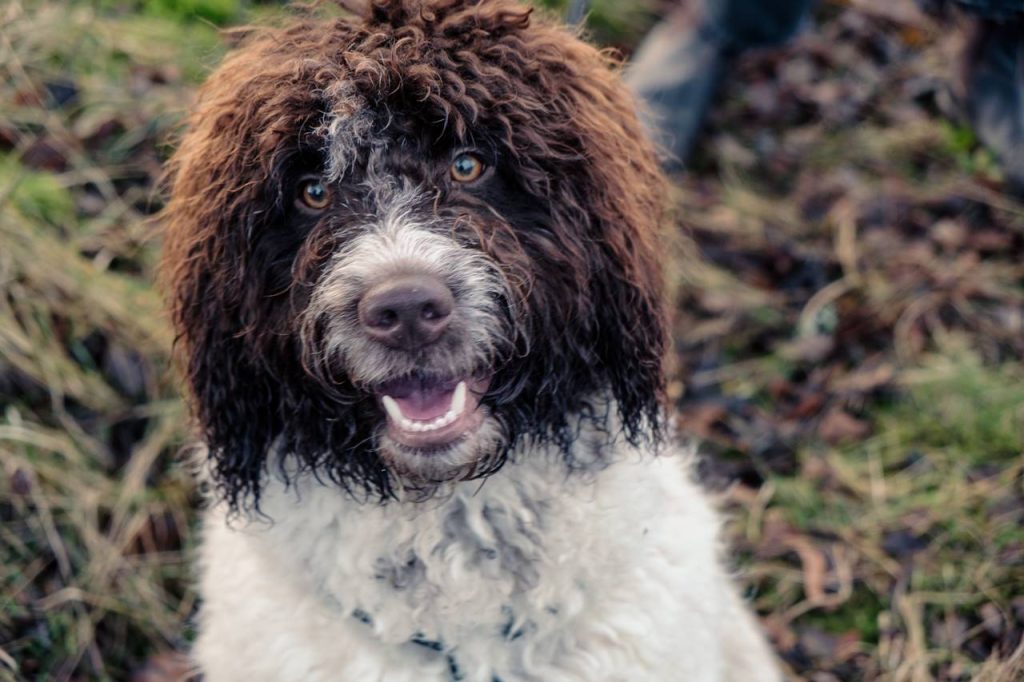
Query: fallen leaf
(837, 426)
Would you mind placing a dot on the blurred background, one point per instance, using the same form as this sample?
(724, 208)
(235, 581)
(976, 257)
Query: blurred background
(847, 272)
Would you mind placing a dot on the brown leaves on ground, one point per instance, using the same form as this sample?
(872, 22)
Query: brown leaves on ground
(842, 225)
(166, 666)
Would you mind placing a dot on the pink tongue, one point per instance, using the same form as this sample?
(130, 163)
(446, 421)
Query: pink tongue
(425, 404)
(421, 399)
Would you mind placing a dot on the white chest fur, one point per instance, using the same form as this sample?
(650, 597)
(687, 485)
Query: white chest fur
(534, 574)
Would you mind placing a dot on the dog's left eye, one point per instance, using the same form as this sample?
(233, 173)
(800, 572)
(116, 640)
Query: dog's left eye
(313, 194)
(466, 168)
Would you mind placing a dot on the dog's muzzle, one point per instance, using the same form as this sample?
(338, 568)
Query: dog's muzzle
(430, 413)
(417, 321)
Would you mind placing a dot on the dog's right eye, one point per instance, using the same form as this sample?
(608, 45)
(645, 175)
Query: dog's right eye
(313, 194)
(466, 168)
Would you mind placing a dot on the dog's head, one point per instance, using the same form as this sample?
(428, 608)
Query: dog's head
(399, 246)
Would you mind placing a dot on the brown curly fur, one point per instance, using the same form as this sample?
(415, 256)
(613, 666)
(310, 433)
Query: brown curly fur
(573, 230)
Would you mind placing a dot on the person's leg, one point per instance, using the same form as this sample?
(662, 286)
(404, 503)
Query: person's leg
(744, 24)
(997, 10)
(993, 72)
(677, 68)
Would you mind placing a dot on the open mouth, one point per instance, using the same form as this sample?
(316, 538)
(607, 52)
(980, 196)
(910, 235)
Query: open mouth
(432, 412)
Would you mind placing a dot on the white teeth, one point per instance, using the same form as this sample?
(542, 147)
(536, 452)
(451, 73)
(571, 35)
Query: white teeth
(459, 399)
(395, 412)
(411, 425)
(392, 408)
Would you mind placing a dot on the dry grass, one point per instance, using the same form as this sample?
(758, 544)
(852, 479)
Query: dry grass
(95, 513)
(850, 331)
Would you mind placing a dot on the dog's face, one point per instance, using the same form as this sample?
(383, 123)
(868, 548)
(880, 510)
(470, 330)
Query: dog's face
(397, 247)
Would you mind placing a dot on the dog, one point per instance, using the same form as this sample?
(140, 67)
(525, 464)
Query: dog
(411, 258)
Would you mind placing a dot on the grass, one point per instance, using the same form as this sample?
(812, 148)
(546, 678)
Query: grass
(849, 293)
(95, 510)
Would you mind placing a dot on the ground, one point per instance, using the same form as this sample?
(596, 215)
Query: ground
(848, 284)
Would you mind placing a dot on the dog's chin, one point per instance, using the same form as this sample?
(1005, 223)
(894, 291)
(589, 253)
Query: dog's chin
(435, 429)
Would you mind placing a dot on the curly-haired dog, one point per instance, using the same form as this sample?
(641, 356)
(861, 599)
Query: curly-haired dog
(412, 263)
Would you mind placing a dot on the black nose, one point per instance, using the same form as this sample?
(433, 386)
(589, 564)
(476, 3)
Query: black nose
(407, 312)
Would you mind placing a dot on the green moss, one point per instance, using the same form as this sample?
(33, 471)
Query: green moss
(102, 52)
(807, 505)
(859, 614)
(611, 22)
(959, 139)
(35, 195)
(216, 11)
(965, 406)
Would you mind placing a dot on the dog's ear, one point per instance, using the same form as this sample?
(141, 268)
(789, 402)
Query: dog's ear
(226, 320)
(618, 193)
(630, 338)
(238, 408)
(574, 141)
(236, 275)
(233, 396)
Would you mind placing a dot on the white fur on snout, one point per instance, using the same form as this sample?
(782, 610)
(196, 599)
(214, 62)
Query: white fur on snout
(405, 241)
